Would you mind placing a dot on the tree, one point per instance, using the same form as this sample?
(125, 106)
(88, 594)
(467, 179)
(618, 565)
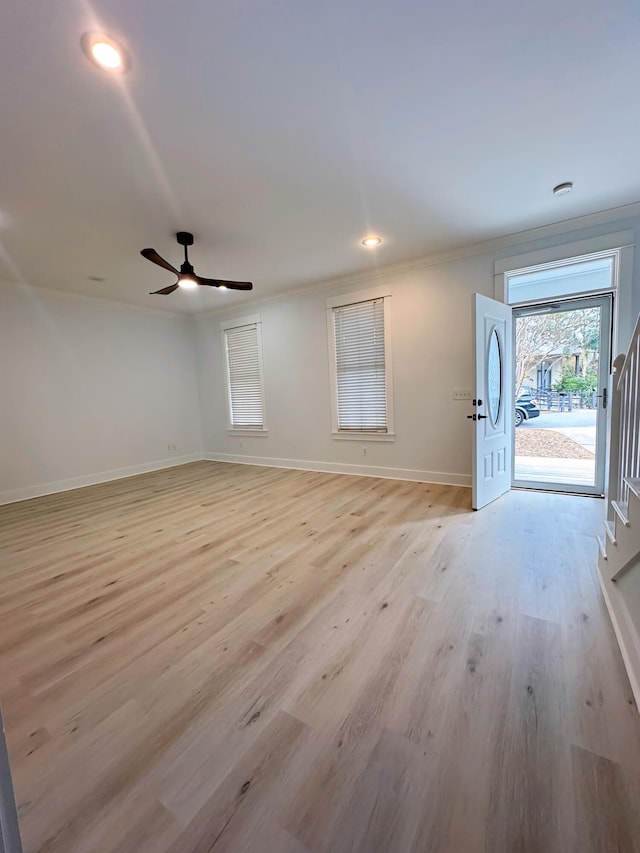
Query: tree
(540, 337)
(576, 383)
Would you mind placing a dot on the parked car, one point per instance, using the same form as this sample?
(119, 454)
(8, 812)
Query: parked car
(526, 407)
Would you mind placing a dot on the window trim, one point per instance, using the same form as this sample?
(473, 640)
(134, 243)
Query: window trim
(235, 323)
(378, 292)
(620, 242)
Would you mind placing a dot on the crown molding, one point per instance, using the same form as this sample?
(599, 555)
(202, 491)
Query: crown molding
(565, 226)
(116, 304)
(483, 247)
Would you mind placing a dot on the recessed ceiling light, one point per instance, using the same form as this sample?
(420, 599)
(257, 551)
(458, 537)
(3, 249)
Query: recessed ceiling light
(187, 283)
(372, 241)
(105, 52)
(563, 189)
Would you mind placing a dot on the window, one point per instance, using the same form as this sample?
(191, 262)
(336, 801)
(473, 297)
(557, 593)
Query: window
(242, 342)
(359, 341)
(618, 247)
(568, 278)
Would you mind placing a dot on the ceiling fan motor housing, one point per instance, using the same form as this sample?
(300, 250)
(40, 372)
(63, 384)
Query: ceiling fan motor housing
(185, 239)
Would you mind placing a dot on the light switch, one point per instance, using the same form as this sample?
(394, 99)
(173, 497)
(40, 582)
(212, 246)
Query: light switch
(461, 393)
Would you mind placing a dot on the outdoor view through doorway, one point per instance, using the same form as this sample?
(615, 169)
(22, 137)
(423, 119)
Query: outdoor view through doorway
(561, 368)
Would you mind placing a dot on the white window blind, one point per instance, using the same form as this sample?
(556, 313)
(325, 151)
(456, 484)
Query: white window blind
(244, 377)
(361, 382)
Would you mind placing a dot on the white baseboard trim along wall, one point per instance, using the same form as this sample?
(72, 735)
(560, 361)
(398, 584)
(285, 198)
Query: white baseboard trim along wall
(38, 491)
(436, 477)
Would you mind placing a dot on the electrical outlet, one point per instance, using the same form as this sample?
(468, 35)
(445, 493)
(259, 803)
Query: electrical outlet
(242, 445)
(364, 451)
(172, 447)
(461, 393)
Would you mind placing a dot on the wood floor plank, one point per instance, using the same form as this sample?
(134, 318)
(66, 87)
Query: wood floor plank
(381, 815)
(531, 779)
(241, 789)
(232, 658)
(601, 718)
(607, 818)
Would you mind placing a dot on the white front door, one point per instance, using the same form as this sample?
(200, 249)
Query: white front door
(493, 400)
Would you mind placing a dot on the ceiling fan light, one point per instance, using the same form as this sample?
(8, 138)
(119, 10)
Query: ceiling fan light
(105, 52)
(187, 283)
(106, 55)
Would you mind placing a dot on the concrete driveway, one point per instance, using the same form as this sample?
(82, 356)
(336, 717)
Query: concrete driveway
(579, 425)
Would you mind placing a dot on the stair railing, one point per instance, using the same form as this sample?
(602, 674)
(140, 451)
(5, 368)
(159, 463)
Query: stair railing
(624, 423)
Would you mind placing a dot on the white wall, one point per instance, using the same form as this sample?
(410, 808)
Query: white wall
(432, 355)
(90, 390)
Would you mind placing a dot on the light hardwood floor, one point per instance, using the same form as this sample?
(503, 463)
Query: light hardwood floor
(231, 658)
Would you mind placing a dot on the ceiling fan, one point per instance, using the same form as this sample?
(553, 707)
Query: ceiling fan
(186, 276)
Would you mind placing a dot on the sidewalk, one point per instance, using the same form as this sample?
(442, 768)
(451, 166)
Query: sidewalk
(579, 426)
(586, 436)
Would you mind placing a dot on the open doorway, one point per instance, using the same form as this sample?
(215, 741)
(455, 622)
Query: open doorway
(562, 361)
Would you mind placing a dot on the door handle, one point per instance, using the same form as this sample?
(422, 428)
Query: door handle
(603, 397)
(482, 417)
(471, 417)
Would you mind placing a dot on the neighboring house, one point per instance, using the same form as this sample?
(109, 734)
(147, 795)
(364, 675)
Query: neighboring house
(547, 372)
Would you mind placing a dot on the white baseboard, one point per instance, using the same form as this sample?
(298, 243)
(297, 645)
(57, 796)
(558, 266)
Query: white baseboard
(14, 495)
(342, 468)
(92, 479)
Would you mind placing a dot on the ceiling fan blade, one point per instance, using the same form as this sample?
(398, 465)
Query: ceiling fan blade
(154, 257)
(230, 285)
(166, 290)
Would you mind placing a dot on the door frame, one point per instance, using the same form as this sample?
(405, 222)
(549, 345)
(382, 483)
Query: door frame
(9, 827)
(606, 303)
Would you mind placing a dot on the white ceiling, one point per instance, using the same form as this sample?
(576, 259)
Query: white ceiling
(282, 132)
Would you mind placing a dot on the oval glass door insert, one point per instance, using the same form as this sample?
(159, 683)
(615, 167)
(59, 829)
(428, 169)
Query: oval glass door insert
(494, 377)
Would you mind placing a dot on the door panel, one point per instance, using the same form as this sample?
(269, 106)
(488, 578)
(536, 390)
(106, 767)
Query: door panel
(493, 400)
